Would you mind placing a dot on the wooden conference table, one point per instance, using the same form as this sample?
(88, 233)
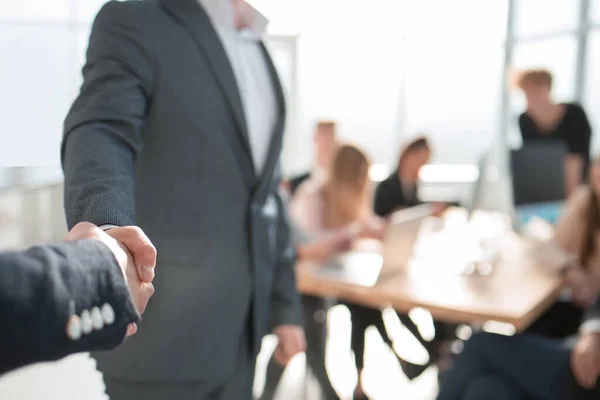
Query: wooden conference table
(517, 291)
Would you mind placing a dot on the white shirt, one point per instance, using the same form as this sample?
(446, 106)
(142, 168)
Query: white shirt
(250, 68)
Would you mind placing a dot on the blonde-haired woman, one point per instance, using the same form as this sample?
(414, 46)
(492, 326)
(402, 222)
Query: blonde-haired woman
(326, 215)
(338, 209)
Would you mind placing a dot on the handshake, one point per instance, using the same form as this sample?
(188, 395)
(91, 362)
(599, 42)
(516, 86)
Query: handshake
(134, 253)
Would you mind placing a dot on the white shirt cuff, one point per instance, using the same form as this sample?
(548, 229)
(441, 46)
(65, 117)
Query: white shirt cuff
(590, 326)
(107, 227)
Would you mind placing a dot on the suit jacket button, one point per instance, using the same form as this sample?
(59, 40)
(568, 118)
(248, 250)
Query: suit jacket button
(108, 314)
(74, 327)
(86, 322)
(97, 319)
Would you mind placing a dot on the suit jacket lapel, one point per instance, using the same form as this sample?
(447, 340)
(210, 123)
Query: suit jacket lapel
(277, 134)
(191, 15)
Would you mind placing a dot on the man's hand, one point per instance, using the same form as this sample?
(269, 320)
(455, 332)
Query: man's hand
(585, 360)
(132, 248)
(138, 244)
(291, 342)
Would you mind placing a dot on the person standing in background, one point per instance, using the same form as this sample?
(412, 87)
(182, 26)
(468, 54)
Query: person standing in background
(544, 119)
(178, 129)
(325, 145)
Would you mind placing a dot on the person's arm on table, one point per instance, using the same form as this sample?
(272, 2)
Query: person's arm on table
(103, 130)
(563, 256)
(286, 315)
(59, 300)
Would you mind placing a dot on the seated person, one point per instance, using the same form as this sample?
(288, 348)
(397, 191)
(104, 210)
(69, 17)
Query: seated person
(340, 206)
(545, 119)
(575, 252)
(399, 191)
(528, 367)
(324, 144)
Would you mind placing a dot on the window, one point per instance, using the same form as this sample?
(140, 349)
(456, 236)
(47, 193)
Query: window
(594, 14)
(535, 17)
(21, 11)
(34, 101)
(592, 92)
(453, 94)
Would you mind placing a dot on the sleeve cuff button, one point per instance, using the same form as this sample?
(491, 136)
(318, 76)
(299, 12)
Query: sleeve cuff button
(108, 314)
(74, 330)
(97, 319)
(86, 322)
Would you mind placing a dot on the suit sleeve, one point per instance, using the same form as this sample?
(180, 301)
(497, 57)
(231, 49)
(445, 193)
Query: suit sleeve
(39, 288)
(103, 130)
(285, 301)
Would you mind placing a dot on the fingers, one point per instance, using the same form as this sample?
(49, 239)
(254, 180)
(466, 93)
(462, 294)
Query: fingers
(131, 329)
(280, 356)
(293, 344)
(146, 291)
(583, 370)
(142, 249)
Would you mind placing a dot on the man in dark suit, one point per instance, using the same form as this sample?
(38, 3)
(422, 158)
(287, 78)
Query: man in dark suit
(85, 295)
(528, 366)
(178, 129)
(325, 145)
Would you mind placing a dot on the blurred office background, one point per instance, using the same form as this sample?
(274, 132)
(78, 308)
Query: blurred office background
(386, 70)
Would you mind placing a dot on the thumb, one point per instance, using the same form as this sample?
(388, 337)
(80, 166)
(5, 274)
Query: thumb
(140, 246)
(131, 329)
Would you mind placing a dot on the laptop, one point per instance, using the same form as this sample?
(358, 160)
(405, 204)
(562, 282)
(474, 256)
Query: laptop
(364, 268)
(538, 171)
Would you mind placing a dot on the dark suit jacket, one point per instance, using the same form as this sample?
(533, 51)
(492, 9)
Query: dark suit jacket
(157, 138)
(36, 289)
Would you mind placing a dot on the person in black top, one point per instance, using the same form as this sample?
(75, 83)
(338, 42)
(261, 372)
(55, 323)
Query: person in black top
(546, 120)
(399, 191)
(325, 145)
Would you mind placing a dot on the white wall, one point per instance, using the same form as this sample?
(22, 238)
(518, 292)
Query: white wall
(352, 62)
(41, 48)
(389, 69)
